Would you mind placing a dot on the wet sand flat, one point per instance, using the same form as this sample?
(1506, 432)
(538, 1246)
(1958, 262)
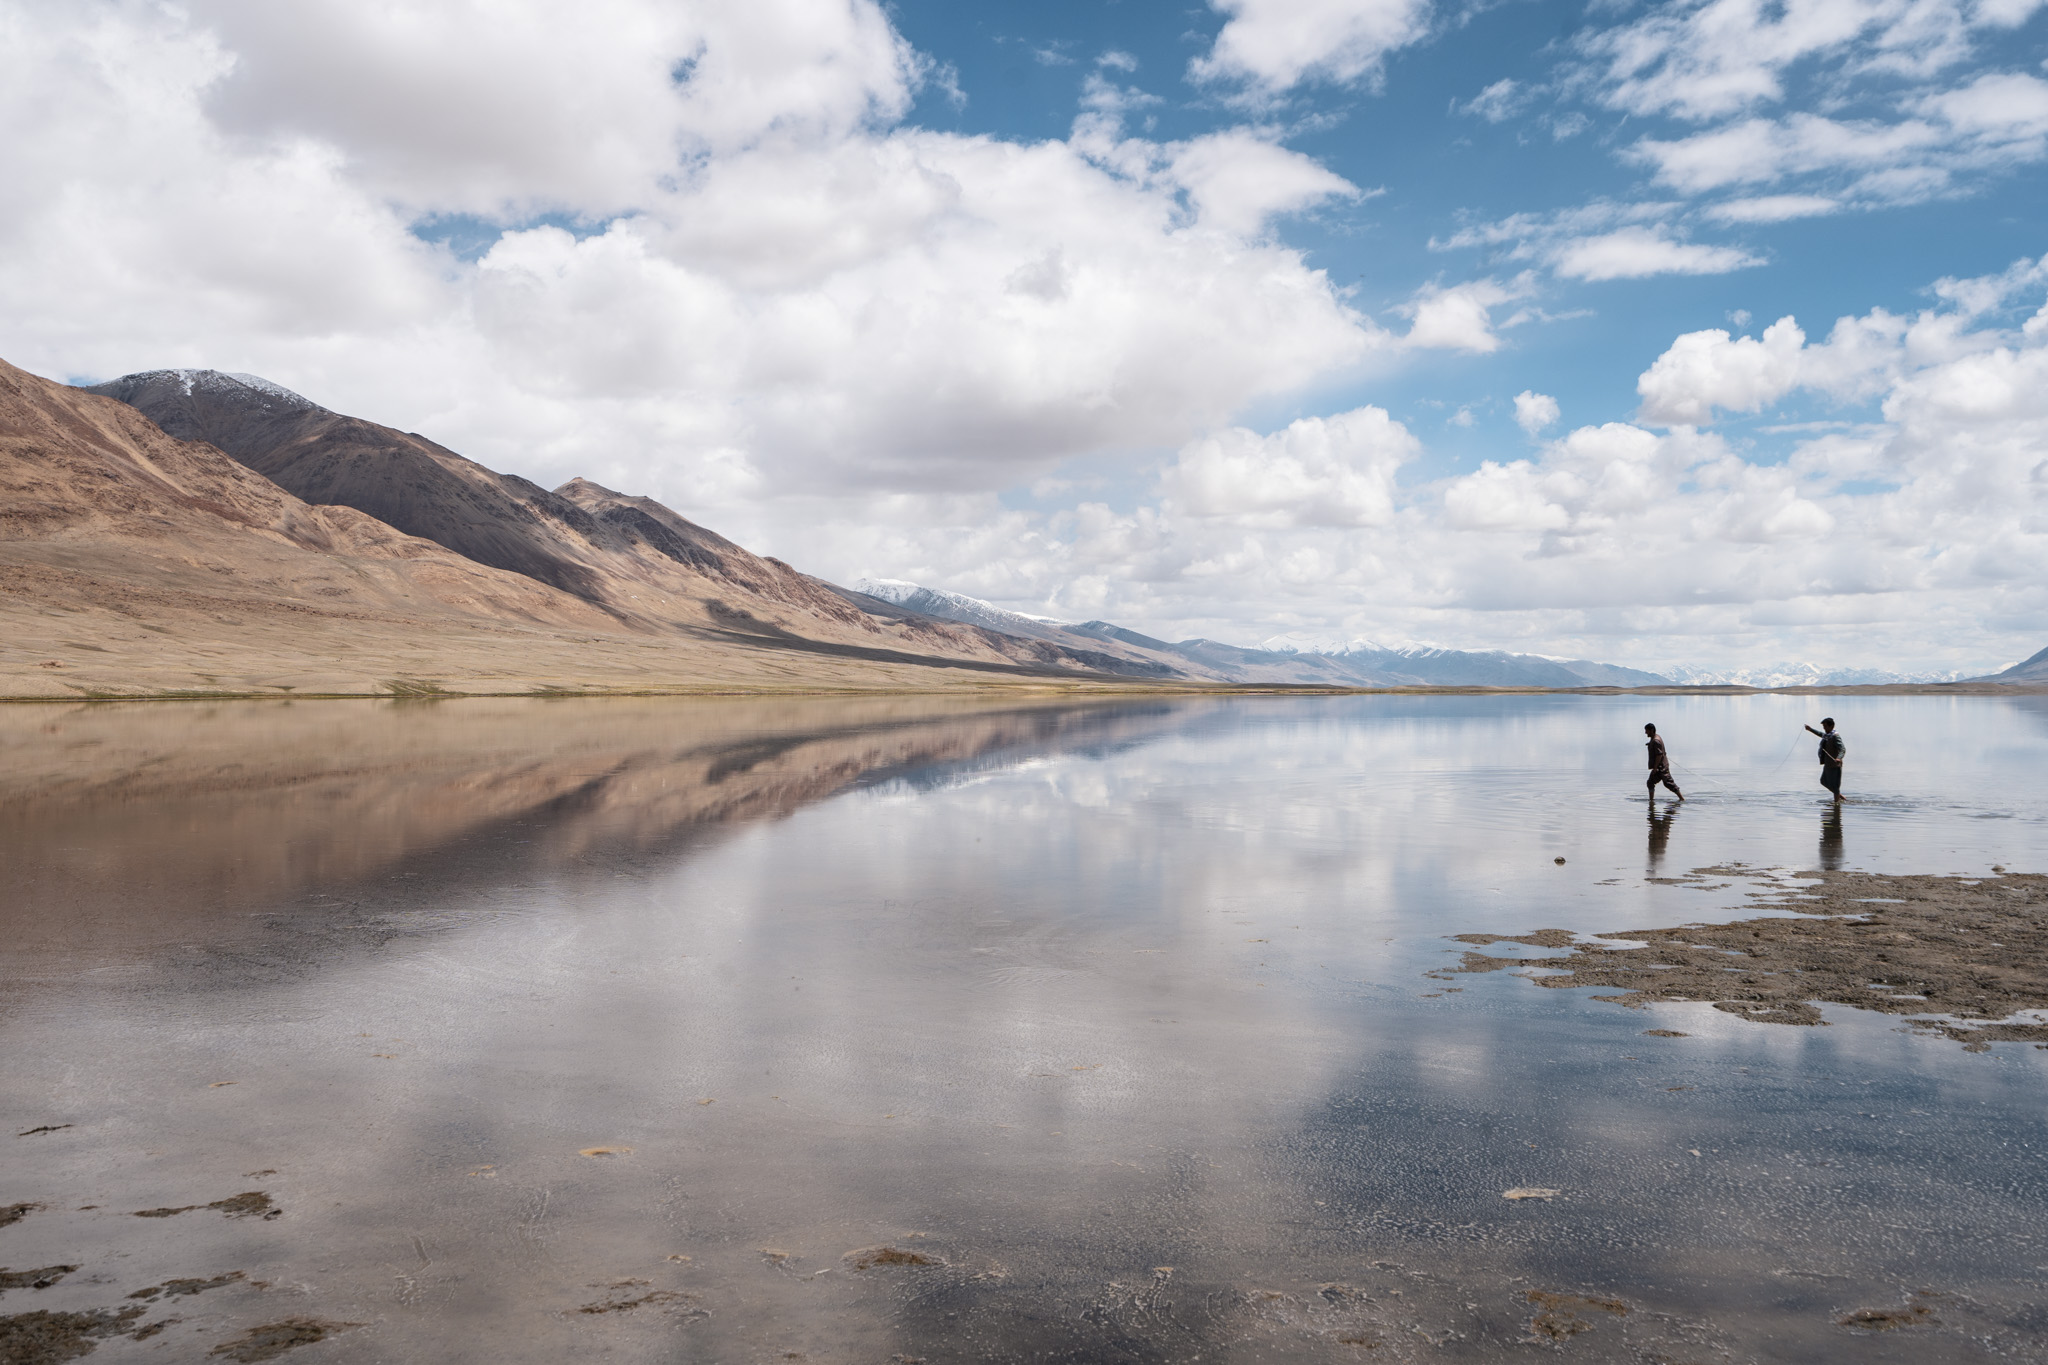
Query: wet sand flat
(941, 1030)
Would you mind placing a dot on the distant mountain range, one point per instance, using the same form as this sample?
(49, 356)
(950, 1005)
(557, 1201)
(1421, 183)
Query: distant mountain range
(1364, 664)
(193, 532)
(1805, 675)
(1356, 666)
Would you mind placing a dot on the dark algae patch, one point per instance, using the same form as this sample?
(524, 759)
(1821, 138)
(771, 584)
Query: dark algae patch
(871, 1258)
(251, 1204)
(171, 1289)
(1914, 1314)
(1956, 955)
(45, 1338)
(1559, 1316)
(652, 1297)
(33, 1279)
(273, 1339)
(623, 1296)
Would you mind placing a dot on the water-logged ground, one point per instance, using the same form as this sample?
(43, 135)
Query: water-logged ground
(931, 1030)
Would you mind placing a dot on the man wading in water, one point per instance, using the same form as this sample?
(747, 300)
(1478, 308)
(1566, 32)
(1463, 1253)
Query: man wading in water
(1660, 766)
(1832, 752)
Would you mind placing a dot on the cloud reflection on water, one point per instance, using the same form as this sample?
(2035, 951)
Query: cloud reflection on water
(1062, 995)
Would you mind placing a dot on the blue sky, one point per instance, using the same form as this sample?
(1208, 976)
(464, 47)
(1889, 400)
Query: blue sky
(1020, 72)
(1291, 320)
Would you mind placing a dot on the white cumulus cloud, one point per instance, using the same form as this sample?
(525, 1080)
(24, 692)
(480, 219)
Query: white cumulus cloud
(1273, 45)
(750, 278)
(1318, 471)
(1707, 370)
(1459, 317)
(1535, 411)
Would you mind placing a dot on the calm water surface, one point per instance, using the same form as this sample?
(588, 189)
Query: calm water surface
(562, 1031)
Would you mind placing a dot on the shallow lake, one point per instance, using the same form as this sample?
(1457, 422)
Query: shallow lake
(919, 1029)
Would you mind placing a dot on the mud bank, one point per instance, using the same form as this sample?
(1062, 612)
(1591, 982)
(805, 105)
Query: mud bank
(1958, 956)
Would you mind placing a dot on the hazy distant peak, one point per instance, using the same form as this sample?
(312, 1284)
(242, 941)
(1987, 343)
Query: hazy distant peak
(2033, 669)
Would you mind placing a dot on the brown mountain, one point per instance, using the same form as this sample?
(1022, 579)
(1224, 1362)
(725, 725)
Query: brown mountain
(649, 568)
(133, 562)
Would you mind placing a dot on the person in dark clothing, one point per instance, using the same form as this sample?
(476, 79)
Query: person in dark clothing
(1832, 752)
(1660, 765)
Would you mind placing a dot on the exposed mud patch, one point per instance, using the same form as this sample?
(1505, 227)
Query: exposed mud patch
(1969, 949)
(273, 1339)
(44, 1338)
(33, 1279)
(10, 1214)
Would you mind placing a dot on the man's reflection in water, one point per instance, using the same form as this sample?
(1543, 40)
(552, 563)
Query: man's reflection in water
(1660, 835)
(1831, 839)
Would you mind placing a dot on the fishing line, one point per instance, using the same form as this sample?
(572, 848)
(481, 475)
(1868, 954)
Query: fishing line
(1721, 791)
(1703, 791)
(1788, 755)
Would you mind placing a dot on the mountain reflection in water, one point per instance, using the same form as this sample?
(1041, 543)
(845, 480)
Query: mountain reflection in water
(859, 1029)
(220, 809)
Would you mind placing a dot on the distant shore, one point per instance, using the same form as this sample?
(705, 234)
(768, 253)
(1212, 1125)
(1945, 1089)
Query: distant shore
(422, 689)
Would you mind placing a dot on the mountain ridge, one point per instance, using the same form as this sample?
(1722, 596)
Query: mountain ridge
(649, 568)
(136, 563)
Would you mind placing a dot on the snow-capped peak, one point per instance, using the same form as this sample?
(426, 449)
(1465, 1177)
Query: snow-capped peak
(952, 605)
(225, 381)
(264, 386)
